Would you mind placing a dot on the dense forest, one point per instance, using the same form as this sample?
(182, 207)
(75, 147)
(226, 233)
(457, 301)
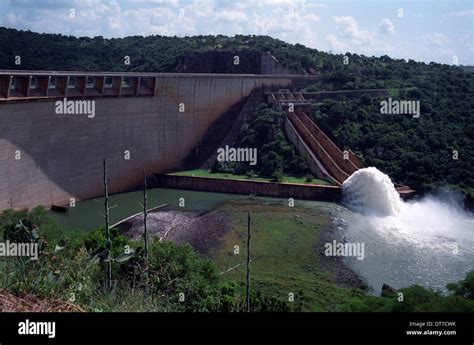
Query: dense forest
(415, 151)
(147, 54)
(434, 150)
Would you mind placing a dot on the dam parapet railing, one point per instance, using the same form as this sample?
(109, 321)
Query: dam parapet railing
(27, 85)
(249, 187)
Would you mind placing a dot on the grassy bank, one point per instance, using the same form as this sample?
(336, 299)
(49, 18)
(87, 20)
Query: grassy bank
(287, 179)
(284, 255)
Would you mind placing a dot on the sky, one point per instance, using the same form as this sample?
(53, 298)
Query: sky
(438, 30)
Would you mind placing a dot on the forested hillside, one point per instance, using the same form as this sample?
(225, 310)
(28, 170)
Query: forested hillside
(150, 54)
(415, 151)
(420, 152)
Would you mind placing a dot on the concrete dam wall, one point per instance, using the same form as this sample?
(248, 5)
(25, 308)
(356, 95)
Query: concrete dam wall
(139, 124)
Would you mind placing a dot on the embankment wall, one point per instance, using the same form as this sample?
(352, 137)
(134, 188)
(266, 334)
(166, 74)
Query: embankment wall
(245, 187)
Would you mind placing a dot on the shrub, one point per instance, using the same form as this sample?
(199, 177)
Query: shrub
(465, 287)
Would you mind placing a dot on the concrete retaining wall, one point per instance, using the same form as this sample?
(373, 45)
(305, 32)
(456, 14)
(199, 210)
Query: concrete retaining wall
(245, 187)
(336, 154)
(315, 166)
(332, 168)
(46, 158)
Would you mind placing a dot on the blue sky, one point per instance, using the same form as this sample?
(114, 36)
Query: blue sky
(420, 30)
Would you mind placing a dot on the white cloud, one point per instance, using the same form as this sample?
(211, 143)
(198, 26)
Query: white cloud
(312, 17)
(467, 43)
(279, 2)
(447, 52)
(347, 27)
(350, 37)
(170, 2)
(386, 26)
(336, 45)
(314, 5)
(285, 19)
(13, 20)
(436, 39)
(233, 15)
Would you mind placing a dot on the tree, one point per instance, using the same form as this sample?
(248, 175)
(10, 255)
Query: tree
(465, 287)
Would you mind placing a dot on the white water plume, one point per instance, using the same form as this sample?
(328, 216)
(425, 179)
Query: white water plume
(371, 190)
(428, 241)
(426, 221)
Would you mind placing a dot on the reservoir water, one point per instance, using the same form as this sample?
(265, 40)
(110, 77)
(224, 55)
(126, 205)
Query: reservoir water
(87, 215)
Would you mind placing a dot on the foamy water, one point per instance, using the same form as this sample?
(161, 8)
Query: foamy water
(428, 242)
(372, 191)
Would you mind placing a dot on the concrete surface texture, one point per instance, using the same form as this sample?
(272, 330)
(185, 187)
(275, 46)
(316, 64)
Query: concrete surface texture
(48, 158)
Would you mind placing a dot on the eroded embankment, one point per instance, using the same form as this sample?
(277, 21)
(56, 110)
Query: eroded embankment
(202, 230)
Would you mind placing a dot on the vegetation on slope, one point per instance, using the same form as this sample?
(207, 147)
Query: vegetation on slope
(416, 151)
(147, 54)
(276, 155)
(71, 267)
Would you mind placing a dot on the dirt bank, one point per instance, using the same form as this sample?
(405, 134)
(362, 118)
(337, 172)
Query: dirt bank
(30, 303)
(201, 230)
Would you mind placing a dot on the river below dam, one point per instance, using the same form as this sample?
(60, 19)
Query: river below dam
(427, 242)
